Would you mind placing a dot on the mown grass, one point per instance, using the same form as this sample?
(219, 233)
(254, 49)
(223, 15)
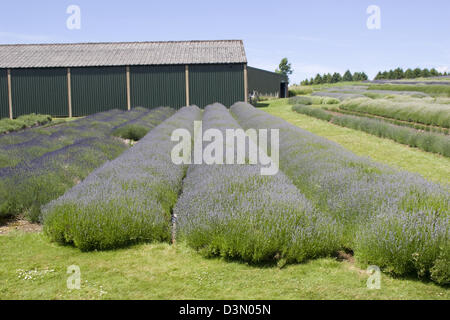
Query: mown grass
(162, 271)
(431, 166)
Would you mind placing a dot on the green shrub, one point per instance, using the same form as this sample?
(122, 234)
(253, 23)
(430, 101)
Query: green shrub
(133, 132)
(23, 122)
(300, 91)
(314, 112)
(440, 272)
(300, 100)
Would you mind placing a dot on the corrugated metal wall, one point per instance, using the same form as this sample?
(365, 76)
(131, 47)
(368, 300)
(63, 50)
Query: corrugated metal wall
(98, 89)
(155, 86)
(264, 82)
(4, 107)
(216, 83)
(41, 91)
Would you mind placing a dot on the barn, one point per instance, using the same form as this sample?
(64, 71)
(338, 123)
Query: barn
(79, 79)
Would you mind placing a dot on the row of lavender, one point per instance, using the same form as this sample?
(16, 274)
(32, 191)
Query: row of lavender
(396, 220)
(27, 145)
(46, 171)
(126, 200)
(234, 211)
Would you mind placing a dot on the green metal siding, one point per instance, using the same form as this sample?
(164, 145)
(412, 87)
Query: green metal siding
(97, 89)
(216, 83)
(4, 107)
(41, 91)
(155, 86)
(264, 82)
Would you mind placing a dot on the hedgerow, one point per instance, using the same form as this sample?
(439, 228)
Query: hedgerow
(235, 212)
(385, 212)
(417, 126)
(430, 142)
(127, 200)
(429, 89)
(421, 112)
(308, 100)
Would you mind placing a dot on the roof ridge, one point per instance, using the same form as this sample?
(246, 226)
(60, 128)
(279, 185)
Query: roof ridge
(112, 42)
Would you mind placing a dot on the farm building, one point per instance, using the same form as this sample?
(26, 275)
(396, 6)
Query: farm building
(267, 83)
(67, 80)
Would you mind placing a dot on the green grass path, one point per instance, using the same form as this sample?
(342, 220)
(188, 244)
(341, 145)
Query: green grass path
(161, 271)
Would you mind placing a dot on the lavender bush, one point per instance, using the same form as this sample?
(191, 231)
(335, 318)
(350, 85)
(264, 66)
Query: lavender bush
(52, 163)
(415, 110)
(126, 200)
(430, 142)
(234, 211)
(371, 201)
(34, 143)
(24, 188)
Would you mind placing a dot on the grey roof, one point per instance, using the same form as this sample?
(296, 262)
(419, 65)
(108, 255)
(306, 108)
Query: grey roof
(121, 54)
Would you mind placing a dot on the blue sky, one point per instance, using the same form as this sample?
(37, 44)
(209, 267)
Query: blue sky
(317, 36)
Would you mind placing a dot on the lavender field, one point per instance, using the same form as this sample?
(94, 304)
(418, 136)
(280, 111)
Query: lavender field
(93, 192)
(39, 165)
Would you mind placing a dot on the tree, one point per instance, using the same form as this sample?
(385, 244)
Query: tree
(336, 77)
(364, 76)
(285, 68)
(348, 76)
(398, 73)
(327, 78)
(318, 79)
(409, 74)
(434, 72)
(417, 73)
(379, 76)
(391, 75)
(425, 73)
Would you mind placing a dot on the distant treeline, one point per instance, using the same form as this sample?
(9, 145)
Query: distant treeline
(408, 74)
(336, 77)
